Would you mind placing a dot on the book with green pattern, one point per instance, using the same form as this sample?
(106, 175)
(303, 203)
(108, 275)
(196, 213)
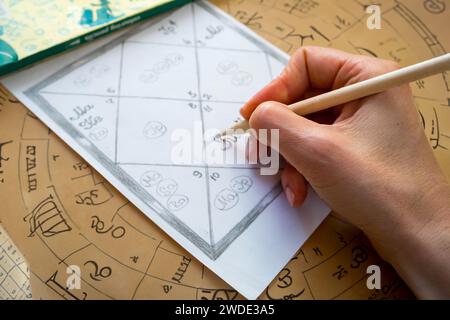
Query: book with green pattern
(31, 30)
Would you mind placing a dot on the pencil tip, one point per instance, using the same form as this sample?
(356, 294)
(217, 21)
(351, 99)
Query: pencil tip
(220, 136)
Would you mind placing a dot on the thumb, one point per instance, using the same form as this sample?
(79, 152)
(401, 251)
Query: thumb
(305, 144)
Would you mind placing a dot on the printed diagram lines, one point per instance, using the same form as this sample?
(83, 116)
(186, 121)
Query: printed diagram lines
(118, 102)
(200, 102)
(429, 38)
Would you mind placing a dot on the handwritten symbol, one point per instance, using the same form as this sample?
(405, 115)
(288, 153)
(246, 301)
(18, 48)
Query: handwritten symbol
(231, 68)
(154, 129)
(212, 31)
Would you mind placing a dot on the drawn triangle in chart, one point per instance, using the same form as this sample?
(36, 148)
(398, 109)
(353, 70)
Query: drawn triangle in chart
(93, 116)
(187, 198)
(181, 190)
(99, 76)
(177, 29)
(236, 196)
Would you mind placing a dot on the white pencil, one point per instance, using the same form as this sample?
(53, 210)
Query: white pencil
(361, 89)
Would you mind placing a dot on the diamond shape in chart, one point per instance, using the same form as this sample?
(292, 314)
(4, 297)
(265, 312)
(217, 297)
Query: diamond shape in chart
(158, 66)
(130, 102)
(169, 137)
(99, 76)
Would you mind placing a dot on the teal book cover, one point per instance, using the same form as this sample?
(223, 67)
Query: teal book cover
(31, 30)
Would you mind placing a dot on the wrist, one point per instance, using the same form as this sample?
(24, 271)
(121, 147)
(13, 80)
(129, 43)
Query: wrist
(419, 249)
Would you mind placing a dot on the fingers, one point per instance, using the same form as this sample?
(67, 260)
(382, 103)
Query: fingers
(294, 186)
(315, 68)
(296, 79)
(302, 142)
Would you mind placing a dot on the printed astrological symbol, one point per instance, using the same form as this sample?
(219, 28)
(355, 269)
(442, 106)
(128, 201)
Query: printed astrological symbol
(2, 144)
(80, 166)
(420, 84)
(250, 21)
(48, 218)
(284, 279)
(90, 198)
(284, 283)
(340, 273)
(434, 6)
(317, 251)
(167, 288)
(99, 273)
(218, 294)
(99, 226)
(433, 130)
(341, 238)
(179, 274)
(359, 256)
(365, 51)
(300, 36)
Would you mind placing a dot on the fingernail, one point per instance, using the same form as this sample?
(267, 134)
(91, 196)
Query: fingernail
(290, 196)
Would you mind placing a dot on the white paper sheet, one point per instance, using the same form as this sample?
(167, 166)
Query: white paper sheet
(119, 104)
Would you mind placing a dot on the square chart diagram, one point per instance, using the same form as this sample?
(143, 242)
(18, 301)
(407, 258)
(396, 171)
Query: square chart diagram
(183, 76)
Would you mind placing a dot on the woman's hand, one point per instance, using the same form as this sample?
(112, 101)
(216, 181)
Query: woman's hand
(369, 160)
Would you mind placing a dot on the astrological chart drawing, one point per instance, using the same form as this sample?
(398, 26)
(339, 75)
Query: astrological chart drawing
(122, 108)
(124, 117)
(153, 264)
